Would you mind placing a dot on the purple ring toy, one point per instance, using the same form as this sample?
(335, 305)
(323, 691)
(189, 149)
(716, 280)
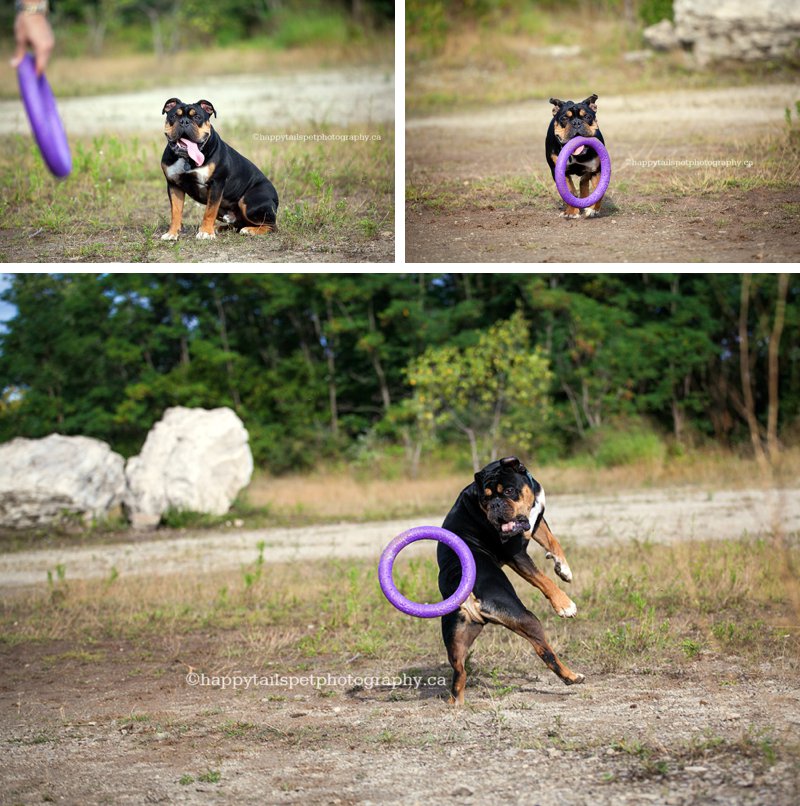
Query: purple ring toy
(416, 608)
(43, 116)
(561, 168)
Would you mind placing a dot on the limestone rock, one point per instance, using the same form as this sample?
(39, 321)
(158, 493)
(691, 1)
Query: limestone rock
(44, 481)
(661, 36)
(720, 30)
(192, 460)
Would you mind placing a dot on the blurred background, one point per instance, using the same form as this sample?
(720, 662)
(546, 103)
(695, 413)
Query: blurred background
(464, 52)
(138, 43)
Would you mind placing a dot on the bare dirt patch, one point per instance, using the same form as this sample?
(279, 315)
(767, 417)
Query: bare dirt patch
(122, 725)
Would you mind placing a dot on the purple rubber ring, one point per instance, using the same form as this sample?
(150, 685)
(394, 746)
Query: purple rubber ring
(416, 608)
(561, 168)
(43, 116)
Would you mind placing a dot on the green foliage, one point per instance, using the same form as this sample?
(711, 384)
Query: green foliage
(653, 11)
(495, 392)
(391, 370)
(615, 447)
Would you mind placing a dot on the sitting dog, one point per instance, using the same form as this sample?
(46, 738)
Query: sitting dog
(575, 120)
(197, 161)
(496, 516)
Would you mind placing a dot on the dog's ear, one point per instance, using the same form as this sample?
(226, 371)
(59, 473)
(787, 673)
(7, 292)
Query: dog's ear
(170, 104)
(556, 105)
(513, 463)
(590, 102)
(207, 107)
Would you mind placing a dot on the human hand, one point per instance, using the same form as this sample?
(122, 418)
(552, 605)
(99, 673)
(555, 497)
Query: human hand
(34, 31)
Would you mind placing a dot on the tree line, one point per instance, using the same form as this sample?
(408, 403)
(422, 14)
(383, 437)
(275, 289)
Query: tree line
(169, 25)
(318, 365)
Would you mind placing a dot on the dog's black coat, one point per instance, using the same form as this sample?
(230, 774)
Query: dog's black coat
(568, 122)
(245, 196)
(495, 516)
(490, 548)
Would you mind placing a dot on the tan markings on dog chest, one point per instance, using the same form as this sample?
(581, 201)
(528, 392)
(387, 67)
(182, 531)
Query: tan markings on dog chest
(471, 609)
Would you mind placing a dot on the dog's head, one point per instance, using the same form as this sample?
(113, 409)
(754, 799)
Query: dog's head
(188, 127)
(574, 120)
(509, 495)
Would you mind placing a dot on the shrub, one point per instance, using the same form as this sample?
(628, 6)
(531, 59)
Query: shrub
(617, 446)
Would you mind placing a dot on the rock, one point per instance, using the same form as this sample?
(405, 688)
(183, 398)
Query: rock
(193, 460)
(741, 30)
(636, 56)
(661, 36)
(45, 481)
(557, 51)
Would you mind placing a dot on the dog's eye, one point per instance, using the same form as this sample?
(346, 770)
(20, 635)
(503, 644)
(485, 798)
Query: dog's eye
(509, 492)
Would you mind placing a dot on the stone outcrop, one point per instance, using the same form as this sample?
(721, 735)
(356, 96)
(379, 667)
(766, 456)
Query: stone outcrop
(720, 30)
(57, 478)
(192, 460)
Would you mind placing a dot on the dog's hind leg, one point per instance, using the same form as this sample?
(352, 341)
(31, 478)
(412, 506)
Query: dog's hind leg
(459, 632)
(528, 626)
(511, 613)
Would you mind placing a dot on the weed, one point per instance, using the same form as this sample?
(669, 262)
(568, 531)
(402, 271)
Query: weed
(186, 779)
(210, 777)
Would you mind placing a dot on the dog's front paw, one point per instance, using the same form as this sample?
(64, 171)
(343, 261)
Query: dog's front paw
(561, 568)
(591, 212)
(564, 606)
(579, 678)
(205, 236)
(169, 236)
(567, 214)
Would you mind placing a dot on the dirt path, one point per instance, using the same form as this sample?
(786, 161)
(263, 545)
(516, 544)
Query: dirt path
(657, 516)
(333, 97)
(650, 213)
(131, 731)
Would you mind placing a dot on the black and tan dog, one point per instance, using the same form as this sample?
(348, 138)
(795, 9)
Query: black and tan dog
(198, 162)
(575, 120)
(496, 516)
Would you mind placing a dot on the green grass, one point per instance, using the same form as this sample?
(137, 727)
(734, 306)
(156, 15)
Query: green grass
(335, 195)
(639, 605)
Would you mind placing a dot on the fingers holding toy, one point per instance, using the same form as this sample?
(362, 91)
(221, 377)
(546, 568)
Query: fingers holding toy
(32, 31)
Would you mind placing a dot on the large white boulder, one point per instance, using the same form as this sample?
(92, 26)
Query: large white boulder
(43, 481)
(721, 30)
(193, 460)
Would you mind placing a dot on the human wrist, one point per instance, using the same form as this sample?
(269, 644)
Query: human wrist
(31, 7)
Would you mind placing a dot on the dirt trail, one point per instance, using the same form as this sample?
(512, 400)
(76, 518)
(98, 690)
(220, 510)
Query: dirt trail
(657, 516)
(741, 224)
(334, 97)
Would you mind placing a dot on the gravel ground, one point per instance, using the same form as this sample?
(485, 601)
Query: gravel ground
(126, 723)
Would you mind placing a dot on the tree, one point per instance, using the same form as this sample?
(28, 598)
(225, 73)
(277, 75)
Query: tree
(495, 392)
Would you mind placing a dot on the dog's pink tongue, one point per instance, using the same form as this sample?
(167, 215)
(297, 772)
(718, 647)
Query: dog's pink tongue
(578, 150)
(194, 152)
